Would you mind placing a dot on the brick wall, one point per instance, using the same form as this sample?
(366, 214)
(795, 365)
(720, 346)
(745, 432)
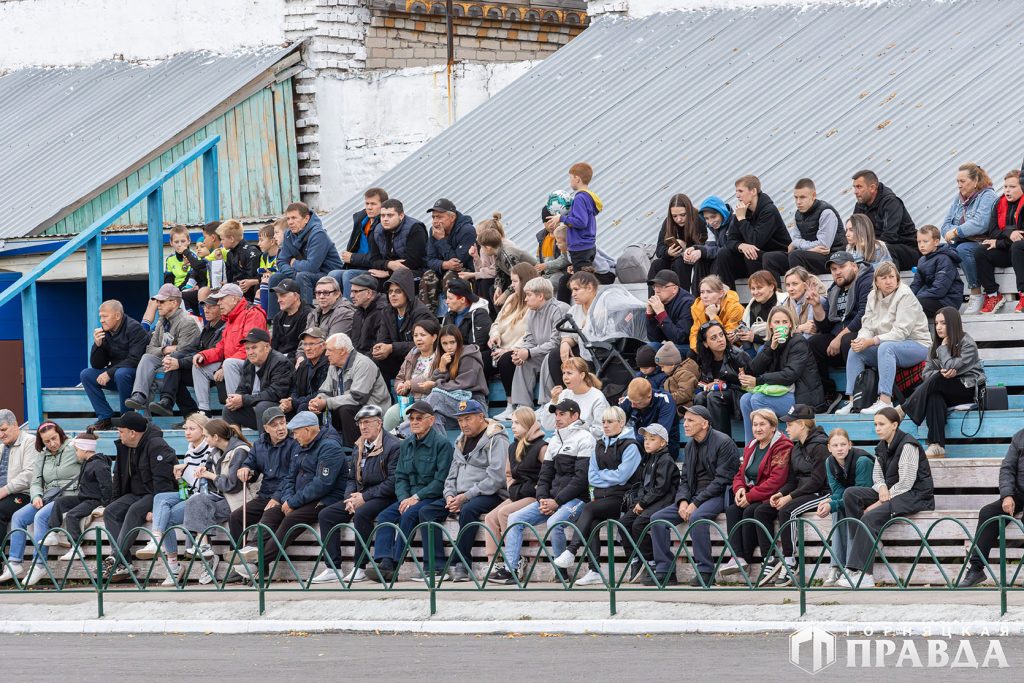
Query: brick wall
(397, 40)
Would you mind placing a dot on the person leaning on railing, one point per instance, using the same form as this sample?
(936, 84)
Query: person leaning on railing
(1010, 503)
(902, 486)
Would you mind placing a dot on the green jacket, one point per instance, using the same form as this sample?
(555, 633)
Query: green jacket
(55, 470)
(423, 466)
(861, 477)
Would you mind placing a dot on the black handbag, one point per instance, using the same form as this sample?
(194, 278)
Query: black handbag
(54, 492)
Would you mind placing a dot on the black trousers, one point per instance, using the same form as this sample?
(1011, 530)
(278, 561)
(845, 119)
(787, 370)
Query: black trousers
(855, 500)
(282, 525)
(362, 520)
(344, 420)
(942, 394)
(749, 536)
(123, 517)
(253, 514)
(175, 386)
(906, 256)
(684, 270)
(593, 513)
(819, 347)
(8, 506)
(506, 371)
(635, 524)
(987, 260)
(731, 265)
(795, 508)
(251, 416)
(723, 406)
(69, 511)
(988, 537)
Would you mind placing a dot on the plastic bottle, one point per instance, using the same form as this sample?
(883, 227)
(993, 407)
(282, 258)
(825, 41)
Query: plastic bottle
(183, 489)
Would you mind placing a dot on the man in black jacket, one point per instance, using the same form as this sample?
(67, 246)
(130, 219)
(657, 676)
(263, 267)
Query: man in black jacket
(757, 229)
(1010, 503)
(266, 378)
(118, 345)
(178, 365)
(893, 224)
(144, 466)
(398, 243)
(357, 253)
(839, 320)
(818, 232)
(394, 338)
(369, 312)
(290, 320)
(310, 375)
(710, 462)
(376, 457)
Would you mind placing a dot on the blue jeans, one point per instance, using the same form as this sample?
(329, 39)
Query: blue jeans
(168, 511)
(887, 357)
(531, 514)
(345, 277)
(385, 543)
(306, 280)
(779, 405)
(968, 261)
(700, 535)
(40, 521)
(124, 380)
(469, 513)
(840, 540)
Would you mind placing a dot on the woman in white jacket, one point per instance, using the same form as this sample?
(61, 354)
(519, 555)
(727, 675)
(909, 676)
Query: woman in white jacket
(894, 334)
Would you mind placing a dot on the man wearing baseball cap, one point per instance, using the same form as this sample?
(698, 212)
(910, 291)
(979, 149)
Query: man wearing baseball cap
(668, 311)
(376, 457)
(451, 236)
(175, 328)
(269, 460)
(369, 308)
(223, 362)
(265, 380)
(710, 461)
(423, 465)
(310, 375)
(291, 317)
(475, 483)
(839, 320)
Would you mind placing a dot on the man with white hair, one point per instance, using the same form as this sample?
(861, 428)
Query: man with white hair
(353, 381)
(544, 312)
(118, 345)
(18, 457)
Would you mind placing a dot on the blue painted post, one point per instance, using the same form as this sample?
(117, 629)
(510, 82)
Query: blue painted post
(211, 185)
(33, 370)
(155, 220)
(93, 286)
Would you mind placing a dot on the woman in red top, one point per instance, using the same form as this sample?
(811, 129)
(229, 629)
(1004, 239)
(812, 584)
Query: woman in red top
(763, 471)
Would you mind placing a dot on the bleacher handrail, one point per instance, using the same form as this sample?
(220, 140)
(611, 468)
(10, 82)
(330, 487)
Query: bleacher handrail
(90, 240)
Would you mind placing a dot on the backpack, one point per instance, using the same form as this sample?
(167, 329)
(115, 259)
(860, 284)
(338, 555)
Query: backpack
(865, 390)
(634, 263)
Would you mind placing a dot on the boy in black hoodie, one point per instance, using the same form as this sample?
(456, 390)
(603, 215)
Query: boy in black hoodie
(659, 479)
(94, 490)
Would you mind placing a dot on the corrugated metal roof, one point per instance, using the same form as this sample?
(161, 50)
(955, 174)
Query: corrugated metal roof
(690, 101)
(66, 133)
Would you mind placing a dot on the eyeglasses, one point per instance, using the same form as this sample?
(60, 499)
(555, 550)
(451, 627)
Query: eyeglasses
(309, 345)
(325, 292)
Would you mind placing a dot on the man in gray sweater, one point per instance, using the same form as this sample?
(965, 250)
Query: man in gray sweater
(541, 339)
(176, 328)
(475, 483)
(353, 381)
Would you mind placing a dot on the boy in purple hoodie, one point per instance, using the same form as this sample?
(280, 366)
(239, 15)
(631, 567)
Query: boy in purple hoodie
(581, 221)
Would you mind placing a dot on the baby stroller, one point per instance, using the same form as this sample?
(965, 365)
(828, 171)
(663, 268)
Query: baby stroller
(610, 334)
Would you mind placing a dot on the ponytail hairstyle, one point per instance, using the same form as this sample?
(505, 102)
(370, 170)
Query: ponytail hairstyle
(492, 223)
(580, 366)
(221, 429)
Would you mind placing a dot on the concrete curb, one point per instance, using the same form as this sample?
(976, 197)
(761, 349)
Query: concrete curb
(582, 626)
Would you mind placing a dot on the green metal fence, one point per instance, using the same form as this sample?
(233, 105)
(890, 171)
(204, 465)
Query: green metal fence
(272, 556)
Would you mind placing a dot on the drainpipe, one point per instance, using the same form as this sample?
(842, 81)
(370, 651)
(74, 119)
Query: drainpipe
(451, 58)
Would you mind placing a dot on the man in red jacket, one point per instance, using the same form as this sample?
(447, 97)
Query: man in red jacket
(223, 363)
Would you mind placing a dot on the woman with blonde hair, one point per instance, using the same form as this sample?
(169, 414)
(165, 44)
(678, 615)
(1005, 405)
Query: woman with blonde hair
(581, 386)
(509, 329)
(861, 242)
(485, 267)
(715, 302)
(522, 472)
(804, 291)
(966, 225)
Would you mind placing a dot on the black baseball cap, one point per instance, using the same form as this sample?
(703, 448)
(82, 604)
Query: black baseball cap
(443, 205)
(699, 411)
(288, 285)
(665, 277)
(841, 257)
(566, 405)
(256, 335)
(801, 411)
(460, 287)
(420, 407)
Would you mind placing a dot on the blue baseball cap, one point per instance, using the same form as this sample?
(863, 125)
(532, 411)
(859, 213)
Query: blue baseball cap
(469, 408)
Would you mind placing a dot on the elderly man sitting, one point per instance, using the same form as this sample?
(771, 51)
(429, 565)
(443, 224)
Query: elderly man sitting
(353, 381)
(266, 379)
(175, 329)
(118, 345)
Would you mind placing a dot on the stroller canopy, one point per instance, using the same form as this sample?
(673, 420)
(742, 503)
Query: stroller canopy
(614, 314)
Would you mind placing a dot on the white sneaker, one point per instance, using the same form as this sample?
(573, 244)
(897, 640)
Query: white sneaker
(250, 553)
(68, 556)
(974, 304)
(565, 560)
(355, 576)
(172, 575)
(865, 580)
(205, 550)
(209, 574)
(845, 410)
(326, 576)
(875, 407)
(832, 577)
(246, 571)
(35, 574)
(505, 415)
(591, 578)
(13, 569)
(147, 552)
(52, 539)
(735, 566)
(934, 450)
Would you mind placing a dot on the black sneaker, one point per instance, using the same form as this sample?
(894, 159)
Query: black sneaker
(661, 579)
(501, 575)
(637, 570)
(972, 578)
(708, 579)
(769, 573)
(163, 408)
(102, 426)
(138, 401)
(785, 578)
(382, 573)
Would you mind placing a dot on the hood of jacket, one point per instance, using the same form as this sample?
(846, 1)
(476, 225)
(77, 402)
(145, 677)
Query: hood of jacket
(716, 204)
(240, 309)
(313, 223)
(946, 249)
(598, 204)
(405, 279)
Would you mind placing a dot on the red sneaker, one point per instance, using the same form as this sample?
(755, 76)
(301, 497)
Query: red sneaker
(1020, 303)
(993, 302)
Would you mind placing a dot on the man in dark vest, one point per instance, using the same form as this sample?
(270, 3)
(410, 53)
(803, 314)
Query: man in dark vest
(818, 234)
(398, 242)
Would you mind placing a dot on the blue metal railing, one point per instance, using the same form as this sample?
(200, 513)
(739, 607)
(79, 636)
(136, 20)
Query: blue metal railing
(90, 239)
